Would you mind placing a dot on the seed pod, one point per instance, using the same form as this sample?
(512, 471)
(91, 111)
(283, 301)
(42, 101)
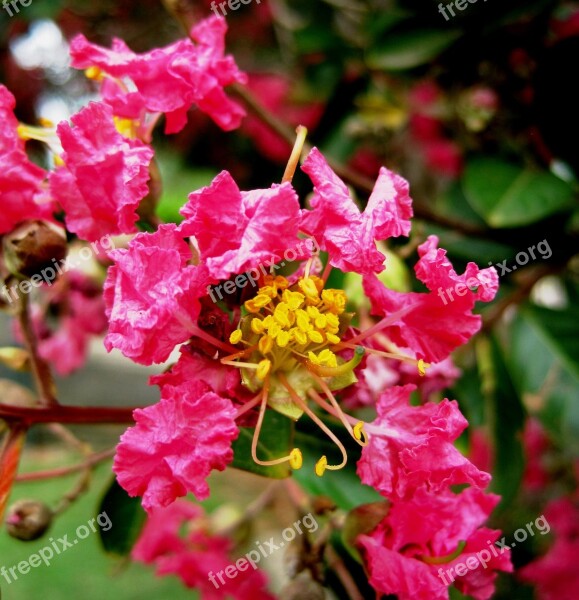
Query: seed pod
(32, 247)
(28, 520)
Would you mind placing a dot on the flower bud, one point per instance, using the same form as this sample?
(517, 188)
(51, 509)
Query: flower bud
(32, 247)
(27, 520)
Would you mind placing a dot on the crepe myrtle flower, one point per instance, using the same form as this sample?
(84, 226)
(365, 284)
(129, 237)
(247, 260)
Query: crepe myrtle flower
(292, 341)
(170, 80)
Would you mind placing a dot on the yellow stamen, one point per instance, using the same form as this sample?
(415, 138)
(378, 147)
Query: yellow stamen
(295, 459)
(263, 369)
(321, 466)
(235, 337)
(94, 73)
(359, 433)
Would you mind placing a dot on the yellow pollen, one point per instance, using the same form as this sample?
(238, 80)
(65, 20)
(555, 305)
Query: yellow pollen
(422, 366)
(235, 337)
(265, 344)
(296, 459)
(321, 466)
(257, 326)
(263, 369)
(315, 336)
(309, 288)
(45, 122)
(283, 338)
(94, 73)
(359, 432)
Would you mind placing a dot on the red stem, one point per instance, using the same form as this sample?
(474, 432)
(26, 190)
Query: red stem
(83, 415)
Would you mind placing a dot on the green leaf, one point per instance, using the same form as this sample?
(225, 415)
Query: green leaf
(127, 517)
(507, 422)
(344, 486)
(410, 49)
(559, 329)
(508, 195)
(275, 441)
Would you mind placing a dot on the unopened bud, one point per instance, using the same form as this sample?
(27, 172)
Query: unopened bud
(32, 247)
(28, 520)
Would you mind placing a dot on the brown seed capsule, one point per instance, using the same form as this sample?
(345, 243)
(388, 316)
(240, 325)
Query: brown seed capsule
(32, 247)
(28, 520)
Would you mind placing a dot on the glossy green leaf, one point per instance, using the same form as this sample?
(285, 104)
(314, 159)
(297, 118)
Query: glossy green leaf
(559, 329)
(508, 195)
(275, 441)
(127, 517)
(410, 49)
(507, 422)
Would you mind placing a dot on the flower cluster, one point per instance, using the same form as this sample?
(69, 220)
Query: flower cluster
(293, 346)
(296, 344)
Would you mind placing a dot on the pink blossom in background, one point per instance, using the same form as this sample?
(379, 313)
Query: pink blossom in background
(21, 192)
(195, 554)
(168, 80)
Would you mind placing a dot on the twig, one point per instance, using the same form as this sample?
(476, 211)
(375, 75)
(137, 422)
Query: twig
(90, 462)
(43, 380)
(338, 566)
(84, 415)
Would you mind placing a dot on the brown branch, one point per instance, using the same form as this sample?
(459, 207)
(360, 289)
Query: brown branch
(90, 462)
(82, 415)
(43, 379)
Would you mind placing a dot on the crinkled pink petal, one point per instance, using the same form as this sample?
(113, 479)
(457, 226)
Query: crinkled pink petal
(431, 525)
(431, 324)
(412, 446)
(175, 444)
(20, 180)
(193, 366)
(171, 79)
(152, 296)
(104, 177)
(236, 231)
(336, 222)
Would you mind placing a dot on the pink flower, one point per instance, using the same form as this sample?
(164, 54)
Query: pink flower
(175, 444)
(412, 447)
(403, 550)
(168, 80)
(236, 231)
(197, 556)
(434, 324)
(20, 180)
(75, 303)
(152, 295)
(225, 381)
(536, 445)
(444, 157)
(105, 175)
(341, 229)
(555, 574)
